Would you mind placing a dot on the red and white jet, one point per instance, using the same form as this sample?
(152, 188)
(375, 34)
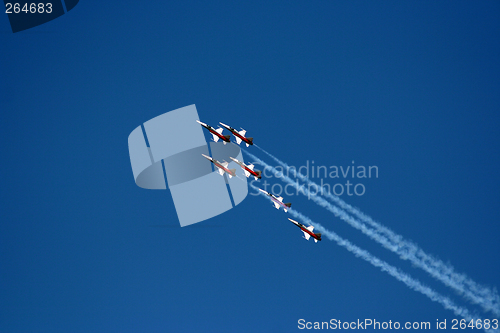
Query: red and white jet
(248, 169)
(308, 231)
(222, 166)
(278, 201)
(216, 133)
(239, 136)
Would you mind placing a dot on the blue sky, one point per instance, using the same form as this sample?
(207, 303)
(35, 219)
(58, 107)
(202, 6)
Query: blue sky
(412, 88)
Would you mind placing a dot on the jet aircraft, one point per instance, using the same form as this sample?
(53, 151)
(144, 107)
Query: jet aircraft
(222, 166)
(239, 136)
(216, 133)
(248, 169)
(308, 231)
(278, 201)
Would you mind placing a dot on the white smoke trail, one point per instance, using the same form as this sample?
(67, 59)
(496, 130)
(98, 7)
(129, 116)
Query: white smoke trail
(385, 267)
(483, 296)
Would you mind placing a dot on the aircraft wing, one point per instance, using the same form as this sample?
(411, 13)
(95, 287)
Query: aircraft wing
(306, 235)
(216, 138)
(238, 140)
(280, 199)
(219, 130)
(224, 164)
(310, 228)
(221, 172)
(276, 205)
(246, 173)
(242, 132)
(250, 166)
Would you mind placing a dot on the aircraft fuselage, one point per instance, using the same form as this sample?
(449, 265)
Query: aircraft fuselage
(312, 234)
(307, 231)
(220, 166)
(255, 174)
(222, 137)
(214, 132)
(232, 130)
(237, 134)
(273, 198)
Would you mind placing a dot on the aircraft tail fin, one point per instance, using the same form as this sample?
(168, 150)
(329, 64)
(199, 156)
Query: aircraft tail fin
(319, 235)
(288, 204)
(233, 172)
(251, 140)
(227, 136)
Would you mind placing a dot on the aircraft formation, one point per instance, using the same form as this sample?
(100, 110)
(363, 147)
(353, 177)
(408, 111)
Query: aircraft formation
(222, 168)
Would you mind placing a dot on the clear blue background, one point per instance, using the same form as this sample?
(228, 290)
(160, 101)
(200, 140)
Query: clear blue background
(411, 87)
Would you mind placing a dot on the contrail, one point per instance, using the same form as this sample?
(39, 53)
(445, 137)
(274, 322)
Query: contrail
(412, 283)
(469, 289)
